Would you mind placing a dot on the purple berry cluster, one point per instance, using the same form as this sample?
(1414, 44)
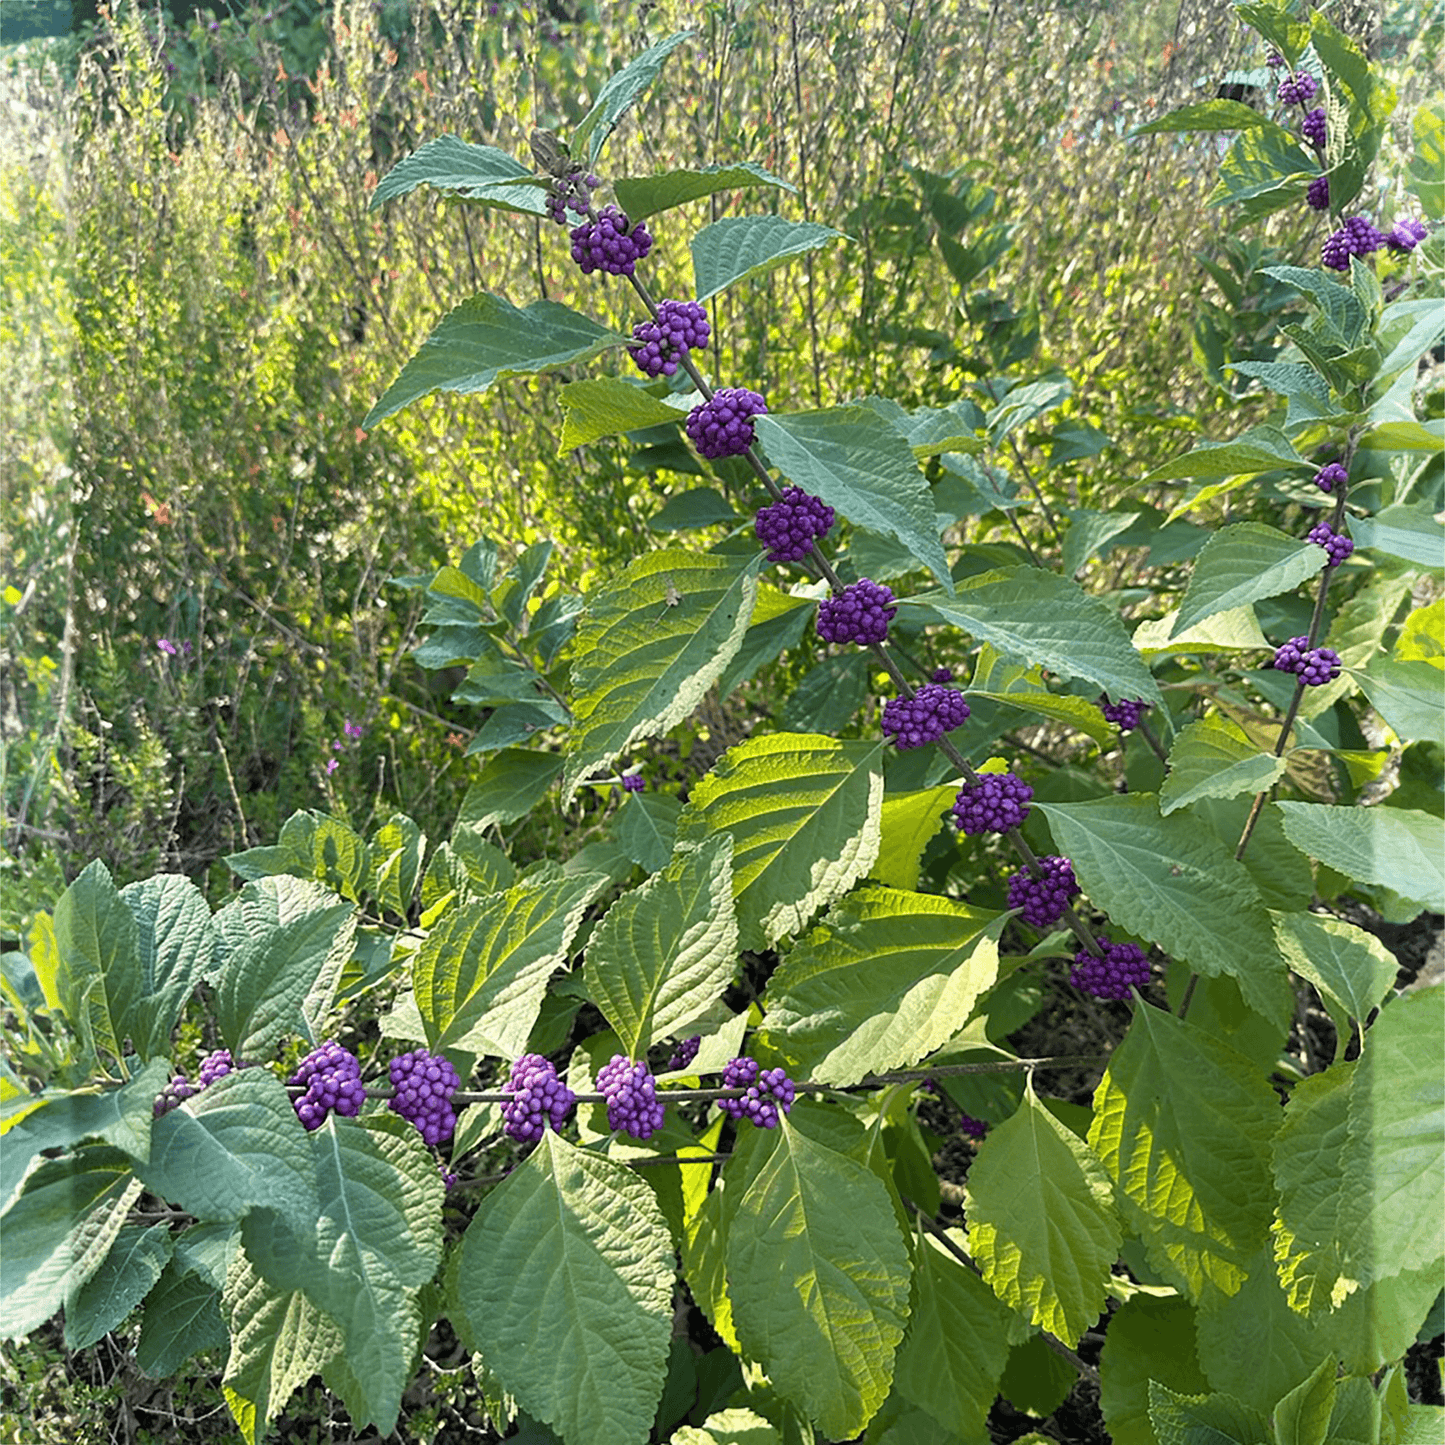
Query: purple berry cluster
(788, 527)
(859, 613)
(332, 1077)
(610, 244)
(424, 1085)
(1406, 235)
(1125, 713)
(925, 717)
(1318, 195)
(942, 674)
(1314, 128)
(722, 426)
(538, 1097)
(994, 804)
(1123, 966)
(680, 327)
(632, 1103)
(216, 1066)
(1298, 89)
(1330, 477)
(175, 1093)
(684, 1053)
(634, 783)
(1314, 666)
(571, 194)
(768, 1092)
(1042, 900)
(1357, 237)
(1339, 547)
(972, 1128)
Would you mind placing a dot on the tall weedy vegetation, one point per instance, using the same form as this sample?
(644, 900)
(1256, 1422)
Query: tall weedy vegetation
(641, 1124)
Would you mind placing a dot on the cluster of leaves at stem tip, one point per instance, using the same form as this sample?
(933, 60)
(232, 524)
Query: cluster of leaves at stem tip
(1236, 1239)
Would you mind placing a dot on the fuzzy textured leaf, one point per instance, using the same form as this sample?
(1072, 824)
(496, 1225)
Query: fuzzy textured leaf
(732, 249)
(1241, 564)
(621, 92)
(475, 172)
(603, 406)
(1212, 758)
(1398, 848)
(643, 196)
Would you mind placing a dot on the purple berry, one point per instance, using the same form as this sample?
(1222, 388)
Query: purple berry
(1122, 967)
(1338, 547)
(942, 674)
(788, 527)
(632, 1104)
(767, 1093)
(722, 426)
(1357, 237)
(859, 613)
(1318, 195)
(332, 1077)
(634, 783)
(424, 1085)
(684, 1053)
(216, 1066)
(994, 804)
(1314, 666)
(1298, 89)
(1042, 900)
(925, 717)
(610, 244)
(539, 1097)
(173, 1095)
(1406, 235)
(1124, 714)
(1313, 127)
(971, 1127)
(1274, 60)
(680, 327)
(448, 1178)
(1330, 477)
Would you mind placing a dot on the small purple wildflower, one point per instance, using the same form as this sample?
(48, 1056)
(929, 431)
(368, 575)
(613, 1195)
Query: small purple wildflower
(1338, 547)
(925, 717)
(859, 613)
(1331, 476)
(331, 766)
(994, 804)
(1123, 966)
(352, 730)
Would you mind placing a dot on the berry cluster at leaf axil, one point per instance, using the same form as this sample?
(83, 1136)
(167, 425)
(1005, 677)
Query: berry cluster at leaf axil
(768, 1092)
(332, 1079)
(722, 426)
(790, 526)
(994, 804)
(539, 1098)
(1122, 966)
(631, 1094)
(424, 1085)
(610, 243)
(859, 613)
(1042, 900)
(928, 715)
(1338, 547)
(680, 327)
(1314, 666)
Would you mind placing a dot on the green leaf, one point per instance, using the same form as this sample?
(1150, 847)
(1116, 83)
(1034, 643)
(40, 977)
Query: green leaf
(1427, 164)
(1207, 115)
(175, 948)
(910, 821)
(235, 1146)
(280, 947)
(866, 472)
(511, 784)
(1260, 449)
(646, 828)
(664, 952)
(1045, 620)
(957, 1344)
(621, 92)
(1410, 696)
(485, 340)
(1183, 1124)
(1303, 1416)
(651, 643)
(736, 1426)
(182, 1316)
(818, 1274)
(1168, 880)
(474, 172)
(279, 1339)
(777, 625)
(1019, 686)
(643, 196)
(730, 250)
(829, 693)
(1024, 404)
(100, 978)
(59, 1230)
(1397, 848)
(884, 978)
(481, 972)
(571, 1248)
(1041, 1220)
(686, 511)
(1233, 631)
(1212, 758)
(1241, 564)
(372, 1242)
(803, 811)
(1406, 331)
(1204, 1419)
(605, 405)
(1343, 318)
(1395, 1154)
(124, 1278)
(396, 852)
(1352, 969)
(1265, 170)
(1089, 533)
(1411, 533)
(1036, 1380)
(1148, 1339)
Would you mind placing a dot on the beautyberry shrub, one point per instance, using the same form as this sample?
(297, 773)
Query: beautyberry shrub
(1313, 127)
(859, 613)
(1338, 547)
(994, 804)
(1042, 900)
(332, 1077)
(424, 1085)
(609, 244)
(1357, 237)
(539, 1098)
(1406, 235)
(175, 1093)
(925, 717)
(722, 426)
(1317, 197)
(788, 527)
(216, 1066)
(1330, 477)
(680, 327)
(1314, 666)
(1122, 967)
(768, 1092)
(1124, 714)
(1298, 89)
(632, 1103)
(684, 1053)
